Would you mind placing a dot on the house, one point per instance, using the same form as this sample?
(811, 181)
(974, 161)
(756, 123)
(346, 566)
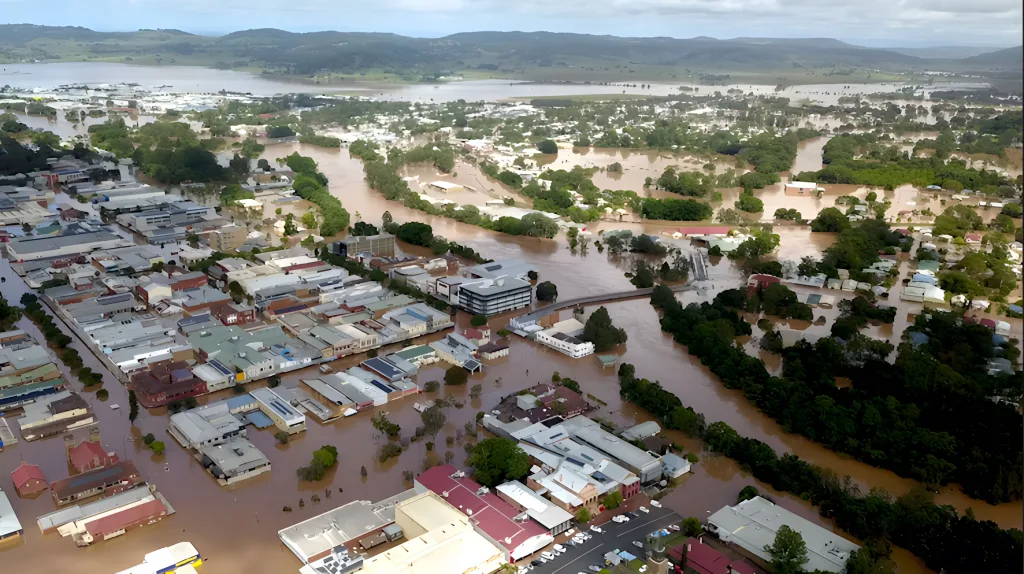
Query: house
(233, 313)
(28, 479)
(165, 382)
(233, 461)
(759, 281)
(490, 351)
(88, 454)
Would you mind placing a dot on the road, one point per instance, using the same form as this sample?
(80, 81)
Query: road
(537, 314)
(615, 537)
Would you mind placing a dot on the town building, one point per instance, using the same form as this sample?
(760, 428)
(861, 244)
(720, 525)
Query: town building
(88, 454)
(285, 417)
(342, 527)
(440, 538)
(32, 247)
(107, 517)
(233, 313)
(485, 296)
(233, 461)
(703, 559)
(160, 286)
(382, 245)
(28, 479)
(553, 518)
(494, 518)
(540, 403)
(107, 481)
(752, 525)
(27, 372)
(55, 414)
(210, 424)
(493, 350)
(563, 337)
(10, 527)
(227, 238)
(165, 382)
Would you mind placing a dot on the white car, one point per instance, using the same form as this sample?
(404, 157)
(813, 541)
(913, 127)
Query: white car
(638, 544)
(559, 548)
(570, 532)
(644, 509)
(643, 569)
(596, 529)
(655, 504)
(674, 528)
(547, 556)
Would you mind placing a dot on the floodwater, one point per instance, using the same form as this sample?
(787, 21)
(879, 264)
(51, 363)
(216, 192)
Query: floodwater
(207, 80)
(236, 527)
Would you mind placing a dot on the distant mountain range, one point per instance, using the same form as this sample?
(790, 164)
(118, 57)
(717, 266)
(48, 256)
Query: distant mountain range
(510, 54)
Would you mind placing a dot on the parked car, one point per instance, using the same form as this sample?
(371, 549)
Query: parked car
(559, 548)
(570, 532)
(547, 555)
(643, 569)
(596, 529)
(594, 568)
(674, 528)
(644, 509)
(632, 515)
(638, 544)
(535, 562)
(655, 504)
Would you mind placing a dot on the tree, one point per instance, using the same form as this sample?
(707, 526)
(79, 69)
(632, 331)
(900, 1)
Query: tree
(309, 220)
(548, 147)
(384, 426)
(497, 460)
(280, 132)
(547, 291)
(583, 515)
(788, 552)
(691, 527)
(600, 331)
(431, 386)
(433, 420)
(133, 407)
(289, 225)
(747, 202)
(157, 447)
(282, 437)
(475, 391)
(478, 320)
(455, 376)
(830, 219)
(747, 493)
(612, 500)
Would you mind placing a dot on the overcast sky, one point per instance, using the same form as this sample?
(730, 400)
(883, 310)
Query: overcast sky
(871, 22)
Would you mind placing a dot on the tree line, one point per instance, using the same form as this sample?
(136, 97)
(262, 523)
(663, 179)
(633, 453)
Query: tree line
(901, 425)
(945, 540)
(310, 184)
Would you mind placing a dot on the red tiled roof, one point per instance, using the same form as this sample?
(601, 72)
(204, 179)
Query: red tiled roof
(127, 517)
(988, 323)
(704, 559)
(82, 455)
(490, 513)
(24, 473)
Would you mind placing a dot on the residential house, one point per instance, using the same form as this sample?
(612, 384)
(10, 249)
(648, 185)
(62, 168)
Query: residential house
(28, 479)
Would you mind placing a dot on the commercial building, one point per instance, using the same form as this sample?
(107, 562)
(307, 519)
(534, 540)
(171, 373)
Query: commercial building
(284, 415)
(109, 480)
(108, 517)
(88, 454)
(27, 373)
(440, 539)
(382, 245)
(541, 510)
(486, 296)
(515, 268)
(28, 479)
(165, 382)
(495, 519)
(55, 414)
(752, 525)
(233, 461)
(227, 238)
(704, 559)
(646, 466)
(563, 337)
(32, 247)
(341, 527)
(207, 425)
(9, 524)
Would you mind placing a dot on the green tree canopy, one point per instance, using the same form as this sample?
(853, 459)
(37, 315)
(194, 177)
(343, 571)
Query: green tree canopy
(496, 460)
(788, 552)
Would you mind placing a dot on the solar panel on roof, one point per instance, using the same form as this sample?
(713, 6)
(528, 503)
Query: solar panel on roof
(220, 367)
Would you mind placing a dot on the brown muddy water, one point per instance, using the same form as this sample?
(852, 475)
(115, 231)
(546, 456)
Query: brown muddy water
(235, 527)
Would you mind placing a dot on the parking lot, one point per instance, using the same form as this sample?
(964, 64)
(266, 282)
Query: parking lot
(614, 537)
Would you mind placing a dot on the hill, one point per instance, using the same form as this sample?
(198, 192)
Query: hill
(943, 52)
(1010, 58)
(531, 55)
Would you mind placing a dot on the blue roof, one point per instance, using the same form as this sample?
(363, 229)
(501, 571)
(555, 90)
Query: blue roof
(1015, 308)
(260, 420)
(917, 339)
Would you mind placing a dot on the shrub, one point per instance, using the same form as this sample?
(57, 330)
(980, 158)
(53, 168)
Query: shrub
(282, 437)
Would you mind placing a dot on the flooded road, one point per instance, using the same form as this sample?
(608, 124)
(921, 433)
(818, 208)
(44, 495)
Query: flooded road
(235, 527)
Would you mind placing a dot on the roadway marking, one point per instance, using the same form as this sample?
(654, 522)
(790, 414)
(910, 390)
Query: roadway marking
(600, 547)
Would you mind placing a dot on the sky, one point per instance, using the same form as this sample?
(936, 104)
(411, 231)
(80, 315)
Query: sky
(880, 23)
